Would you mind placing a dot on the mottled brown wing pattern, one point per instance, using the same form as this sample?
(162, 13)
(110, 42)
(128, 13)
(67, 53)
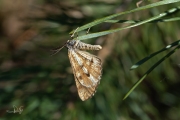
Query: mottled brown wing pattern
(92, 63)
(87, 72)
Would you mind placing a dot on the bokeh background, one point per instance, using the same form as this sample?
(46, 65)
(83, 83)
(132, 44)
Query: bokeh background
(30, 76)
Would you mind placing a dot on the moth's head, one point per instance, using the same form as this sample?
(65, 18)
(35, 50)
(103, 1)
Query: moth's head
(70, 43)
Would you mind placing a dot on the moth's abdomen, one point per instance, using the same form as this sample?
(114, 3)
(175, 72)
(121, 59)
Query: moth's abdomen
(84, 46)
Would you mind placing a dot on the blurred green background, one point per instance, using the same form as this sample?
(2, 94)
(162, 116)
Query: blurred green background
(44, 85)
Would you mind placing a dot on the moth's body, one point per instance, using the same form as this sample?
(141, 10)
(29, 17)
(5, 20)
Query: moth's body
(87, 68)
(76, 44)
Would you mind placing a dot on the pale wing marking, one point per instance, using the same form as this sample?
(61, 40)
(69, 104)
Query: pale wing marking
(93, 64)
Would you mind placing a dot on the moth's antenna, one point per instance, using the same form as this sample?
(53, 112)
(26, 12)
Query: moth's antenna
(56, 51)
(59, 49)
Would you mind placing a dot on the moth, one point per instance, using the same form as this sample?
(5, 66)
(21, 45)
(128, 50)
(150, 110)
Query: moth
(87, 68)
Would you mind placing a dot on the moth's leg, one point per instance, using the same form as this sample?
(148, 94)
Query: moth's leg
(88, 31)
(72, 36)
(138, 3)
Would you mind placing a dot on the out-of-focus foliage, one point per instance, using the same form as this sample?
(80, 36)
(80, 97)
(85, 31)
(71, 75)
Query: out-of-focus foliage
(44, 85)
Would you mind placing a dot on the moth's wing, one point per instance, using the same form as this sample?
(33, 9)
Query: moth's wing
(86, 66)
(84, 92)
(87, 72)
(93, 64)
